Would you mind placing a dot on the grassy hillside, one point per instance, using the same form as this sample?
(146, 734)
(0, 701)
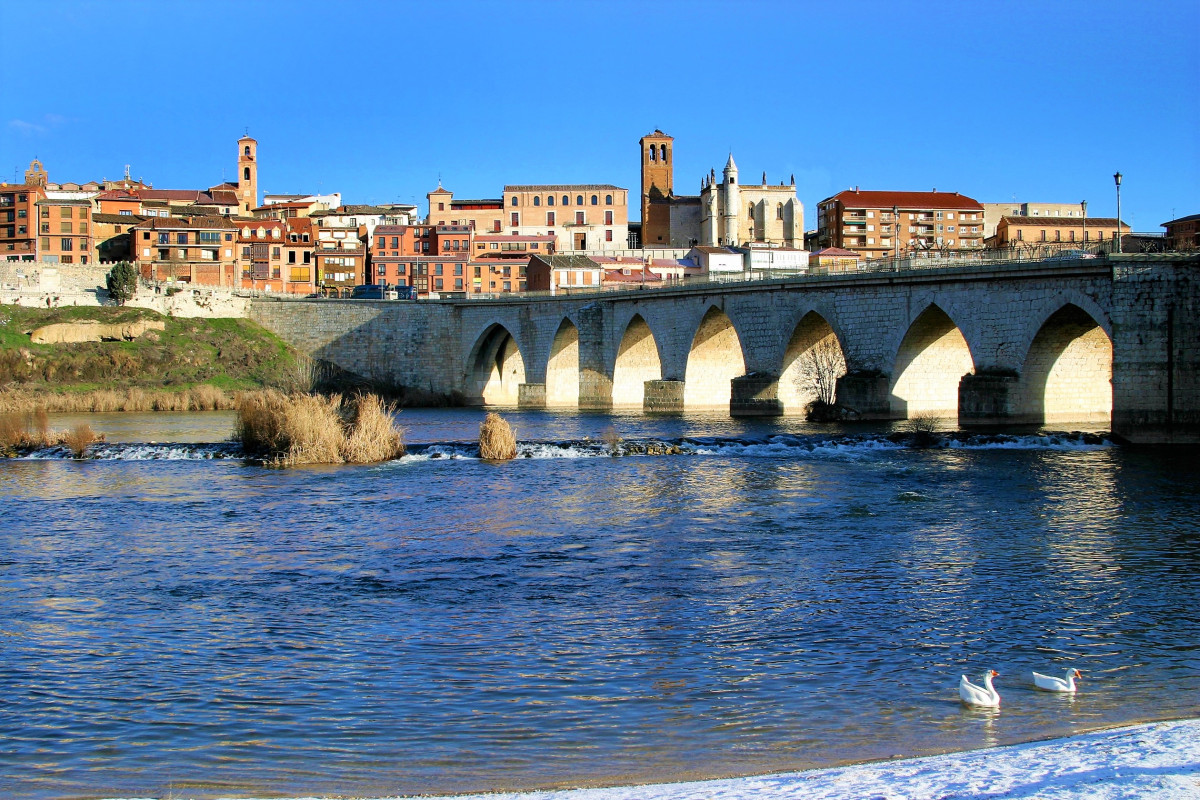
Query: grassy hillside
(215, 354)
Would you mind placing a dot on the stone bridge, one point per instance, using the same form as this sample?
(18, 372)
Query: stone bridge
(1112, 340)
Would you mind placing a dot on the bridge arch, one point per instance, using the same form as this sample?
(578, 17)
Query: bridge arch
(1067, 372)
(713, 361)
(496, 368)
(562, 367)
(812, 363)
(930, 361)
(637, 361)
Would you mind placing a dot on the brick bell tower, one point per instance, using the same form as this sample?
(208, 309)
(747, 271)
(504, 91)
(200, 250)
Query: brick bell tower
(658, 182)
(247, 182)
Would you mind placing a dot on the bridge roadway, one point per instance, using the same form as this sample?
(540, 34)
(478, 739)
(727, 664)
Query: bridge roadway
(1109, 340)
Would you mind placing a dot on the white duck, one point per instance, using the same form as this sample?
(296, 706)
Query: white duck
(985, 696)
(1046, 683)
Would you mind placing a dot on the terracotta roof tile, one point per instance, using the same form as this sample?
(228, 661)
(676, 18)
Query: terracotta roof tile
(852, 198)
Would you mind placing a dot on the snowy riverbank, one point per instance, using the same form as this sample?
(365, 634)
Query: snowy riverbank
(1159, 760)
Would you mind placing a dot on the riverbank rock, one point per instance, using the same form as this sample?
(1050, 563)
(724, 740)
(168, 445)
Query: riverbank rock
(74, 332)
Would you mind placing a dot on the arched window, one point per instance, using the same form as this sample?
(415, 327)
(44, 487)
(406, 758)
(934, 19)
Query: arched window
(578, 199)
(514, 200)
(663, 151)
(779, 211)
(653, 153)
(608, 199)
(550, 200)
(595, 200)
(247, 149)
(245, 173)
(566, 200)
(537, 201)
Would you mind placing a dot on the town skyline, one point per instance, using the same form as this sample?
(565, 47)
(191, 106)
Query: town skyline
(479, 119)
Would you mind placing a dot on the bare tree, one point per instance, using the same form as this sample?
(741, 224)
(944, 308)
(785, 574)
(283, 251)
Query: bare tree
(820, 367)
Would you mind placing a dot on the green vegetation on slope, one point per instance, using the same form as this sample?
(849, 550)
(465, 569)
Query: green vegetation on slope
(229, 354)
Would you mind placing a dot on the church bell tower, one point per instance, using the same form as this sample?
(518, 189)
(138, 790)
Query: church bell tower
(247, 182)
(658, 169)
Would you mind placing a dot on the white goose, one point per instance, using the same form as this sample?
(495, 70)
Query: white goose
(985, 696)
(1049, 684)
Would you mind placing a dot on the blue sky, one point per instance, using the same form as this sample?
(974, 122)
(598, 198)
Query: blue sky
(1041, 101)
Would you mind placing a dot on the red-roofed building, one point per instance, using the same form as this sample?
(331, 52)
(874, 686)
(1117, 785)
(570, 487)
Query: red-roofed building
(200, 250)
(833, 259)
(878, 224)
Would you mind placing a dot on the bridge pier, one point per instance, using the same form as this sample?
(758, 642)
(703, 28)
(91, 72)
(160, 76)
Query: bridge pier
(985, 398)
(531, 395)
(595, 391)
(755, 395)
(663, 396)
(866, 393)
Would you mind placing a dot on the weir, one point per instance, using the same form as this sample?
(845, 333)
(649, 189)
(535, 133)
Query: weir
(1112, 339)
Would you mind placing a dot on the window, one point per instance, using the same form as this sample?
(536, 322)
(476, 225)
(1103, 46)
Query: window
(181, 238)
(578, 217)
(67, 244)
(437, 269)
(550, 218)
(245, 173)
(442, 206)
(595, 200)
(458, 284)
(1020, 235)
(608, 218)
(779, 211)
(550, 200)
(65, 227)
(274, 252)
(516, 219)
(578, 199)
(247, 150)
(566, 200)
(537, 201)
(608, 199)
(653, 153)
(1043, 234)
(514, 201)
(608, 236)
(437, 284)
(66, 212)
(22, 213)
(495, 226)
(1058, 236)
(662, 149)
(458, 268)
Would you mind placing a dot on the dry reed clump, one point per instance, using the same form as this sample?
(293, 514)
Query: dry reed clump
(611, 439)
(200, 398)
(79, 438)
(496, 439)
(289, 430)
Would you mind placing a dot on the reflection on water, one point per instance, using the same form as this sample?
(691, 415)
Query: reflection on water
(211, 628)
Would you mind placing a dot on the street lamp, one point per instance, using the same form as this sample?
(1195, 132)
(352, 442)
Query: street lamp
(1083, 203)
(1117, 178)
(896, 235)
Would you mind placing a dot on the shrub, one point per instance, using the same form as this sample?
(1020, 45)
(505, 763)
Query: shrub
(122, 282)
(496, 440)
(922, 425)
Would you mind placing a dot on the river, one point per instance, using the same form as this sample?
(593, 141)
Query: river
(779, 596)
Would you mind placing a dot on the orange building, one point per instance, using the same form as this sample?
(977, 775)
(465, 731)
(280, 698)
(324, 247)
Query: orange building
(1037, 231)
(485, 215)
(879, 224)
(261, 254)
(657, 186)
(300, 269)
(833, 259)
(65, 231)
(1183, 233)
(198, 250)
(18, 222)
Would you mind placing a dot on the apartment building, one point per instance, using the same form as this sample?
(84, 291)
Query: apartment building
(1182, 233)
(592, 217)
(1035, 231)
(65, 231)
(879, 224)
(340, 254)
(992, 212)
(18, 222)
(200, 250)
(261, 254)
(483, 215)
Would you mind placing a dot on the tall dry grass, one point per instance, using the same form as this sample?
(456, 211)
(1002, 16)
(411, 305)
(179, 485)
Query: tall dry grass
(32, 432)
(199, 398)
(496, 439)
(290, 430)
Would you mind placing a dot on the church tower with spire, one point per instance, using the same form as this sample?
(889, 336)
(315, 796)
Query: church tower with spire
(731, 200)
